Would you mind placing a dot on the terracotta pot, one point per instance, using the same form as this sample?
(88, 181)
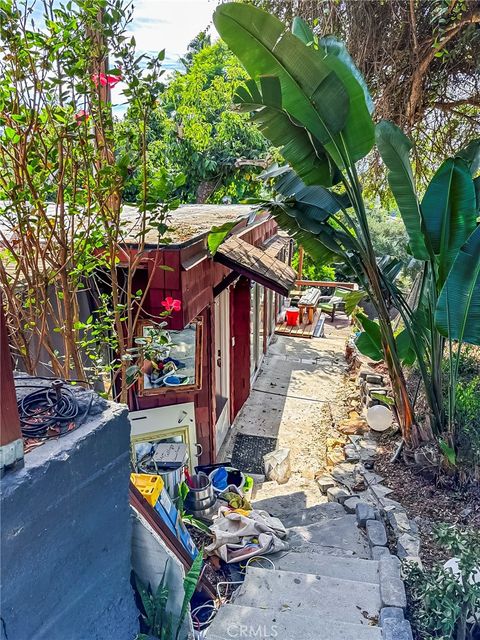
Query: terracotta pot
(147, 367)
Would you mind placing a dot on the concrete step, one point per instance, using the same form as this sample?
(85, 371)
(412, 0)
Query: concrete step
(292, 516)
(292, 505)
(234, 621)
(319, 564)
(339, 536)
(318, 513)
(330, 598)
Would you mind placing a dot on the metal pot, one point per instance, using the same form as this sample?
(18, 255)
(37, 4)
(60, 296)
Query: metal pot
(200, 495)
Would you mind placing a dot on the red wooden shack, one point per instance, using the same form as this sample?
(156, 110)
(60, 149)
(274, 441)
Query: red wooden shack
(234, 296)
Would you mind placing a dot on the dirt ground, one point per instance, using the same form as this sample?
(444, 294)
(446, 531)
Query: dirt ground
(428, 504)
(297, 397)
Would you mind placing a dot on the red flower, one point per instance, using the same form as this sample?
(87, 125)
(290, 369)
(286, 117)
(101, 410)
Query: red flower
(171, 304)
(106, 79)
(82, 116)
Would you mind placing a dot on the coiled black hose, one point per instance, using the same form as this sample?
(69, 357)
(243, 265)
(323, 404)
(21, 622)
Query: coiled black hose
(54, 407)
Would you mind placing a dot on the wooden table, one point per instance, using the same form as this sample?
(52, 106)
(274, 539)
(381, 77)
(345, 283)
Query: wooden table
(308, 303)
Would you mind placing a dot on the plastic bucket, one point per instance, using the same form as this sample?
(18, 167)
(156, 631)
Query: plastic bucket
(234, 477)
(291, 316)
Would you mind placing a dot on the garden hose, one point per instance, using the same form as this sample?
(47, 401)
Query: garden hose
(49, 408)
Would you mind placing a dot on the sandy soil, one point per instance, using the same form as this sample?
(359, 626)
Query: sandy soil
(297, 397)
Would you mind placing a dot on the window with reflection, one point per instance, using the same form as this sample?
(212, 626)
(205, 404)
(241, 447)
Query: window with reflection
(171, 359)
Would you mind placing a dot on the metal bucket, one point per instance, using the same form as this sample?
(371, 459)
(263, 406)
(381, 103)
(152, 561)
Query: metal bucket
(200, 494)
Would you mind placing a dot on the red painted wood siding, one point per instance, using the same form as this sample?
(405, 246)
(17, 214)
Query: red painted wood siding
(194, 287)
(9, 421)
(240, 352)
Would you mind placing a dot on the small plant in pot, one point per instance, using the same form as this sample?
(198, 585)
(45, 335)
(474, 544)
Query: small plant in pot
(157, 345)
(150, 355)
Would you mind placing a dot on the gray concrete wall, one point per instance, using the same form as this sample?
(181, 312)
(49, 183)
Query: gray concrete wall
(66, 536)
(151, 559)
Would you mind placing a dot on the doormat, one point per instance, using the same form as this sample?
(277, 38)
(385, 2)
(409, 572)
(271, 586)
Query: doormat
(248, 452)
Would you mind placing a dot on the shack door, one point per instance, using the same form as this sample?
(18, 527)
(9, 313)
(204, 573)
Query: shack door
(222, 366)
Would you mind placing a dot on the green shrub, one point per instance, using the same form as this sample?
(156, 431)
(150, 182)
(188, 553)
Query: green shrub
(467, 410)
(443, 605)
(468, 421)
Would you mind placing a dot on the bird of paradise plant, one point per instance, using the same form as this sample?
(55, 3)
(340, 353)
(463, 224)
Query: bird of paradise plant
(308, 98)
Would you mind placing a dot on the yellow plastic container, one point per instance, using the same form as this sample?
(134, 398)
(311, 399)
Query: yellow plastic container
(150, 486)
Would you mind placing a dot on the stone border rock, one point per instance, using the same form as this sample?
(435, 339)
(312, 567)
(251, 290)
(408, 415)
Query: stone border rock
(379, 515)
(403, 530)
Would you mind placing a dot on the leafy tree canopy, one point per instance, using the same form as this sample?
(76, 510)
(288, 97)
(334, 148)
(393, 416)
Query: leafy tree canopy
(193, 131)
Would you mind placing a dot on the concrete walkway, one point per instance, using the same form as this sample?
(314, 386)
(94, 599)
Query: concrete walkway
(295, 398)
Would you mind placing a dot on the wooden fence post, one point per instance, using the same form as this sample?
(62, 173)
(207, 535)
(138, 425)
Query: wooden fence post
(300, 262)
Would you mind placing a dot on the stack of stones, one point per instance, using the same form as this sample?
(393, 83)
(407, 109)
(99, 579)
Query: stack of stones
(372, 385)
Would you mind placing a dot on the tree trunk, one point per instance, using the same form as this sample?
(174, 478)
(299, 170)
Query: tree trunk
(403, 405)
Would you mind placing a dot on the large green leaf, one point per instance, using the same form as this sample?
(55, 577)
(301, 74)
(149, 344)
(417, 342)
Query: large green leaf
(296, 145)
(358, 133)
(394, 147)
(369, 342)
(218, 234)
(449, 209)
(322, 250)
(312, 93)
(405, 349)
(302, 30)
(476, 184)
(314, 200)
(189, 586)
(471, 155)
(351, 299)
(458, 308)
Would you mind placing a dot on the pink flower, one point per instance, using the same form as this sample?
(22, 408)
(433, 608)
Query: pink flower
(106, 79)
(81, 116)
(171, 304)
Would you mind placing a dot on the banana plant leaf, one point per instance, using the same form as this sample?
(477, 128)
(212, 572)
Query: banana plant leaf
(312, 93)
(476, 184)
(314, 200)
(471, 155)
(369, 342)
(218, 234)
(299, 149)
(302, 31)
(322, 253)
(458, 308)
(405, 349)
(449, 209)
(351, 299)
(394, 147)
(358, 133)
(390, 267)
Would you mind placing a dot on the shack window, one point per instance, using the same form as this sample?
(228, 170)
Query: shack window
(171, 361)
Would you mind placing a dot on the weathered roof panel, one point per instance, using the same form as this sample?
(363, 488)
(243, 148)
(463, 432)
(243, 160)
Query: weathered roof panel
(185, 223)
(257, 264)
